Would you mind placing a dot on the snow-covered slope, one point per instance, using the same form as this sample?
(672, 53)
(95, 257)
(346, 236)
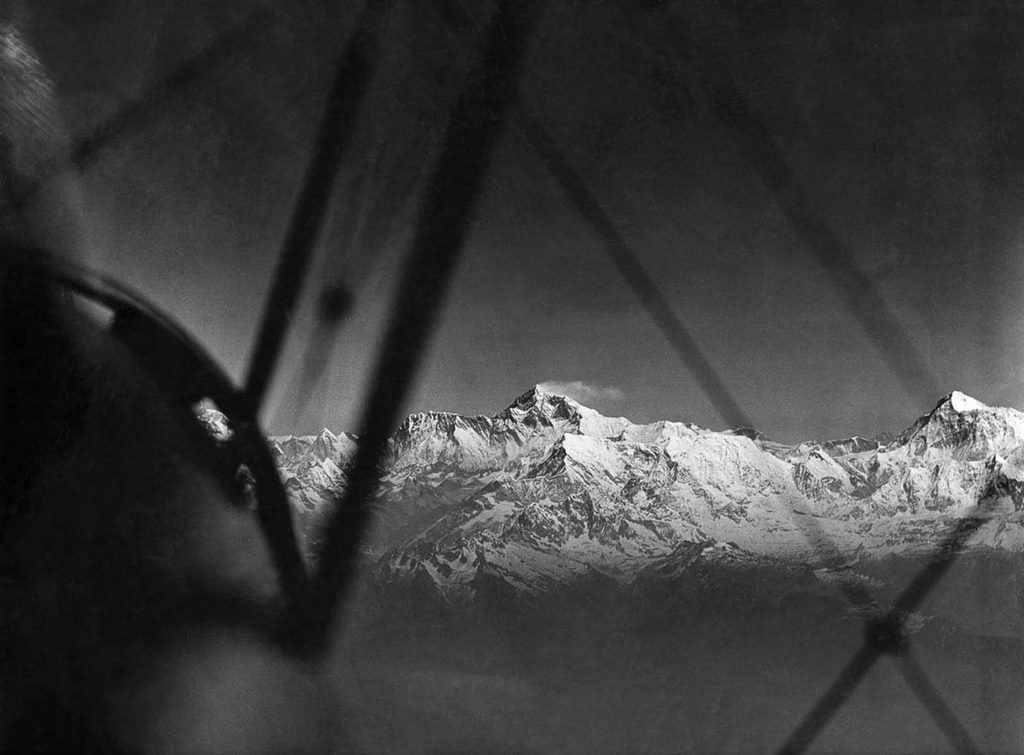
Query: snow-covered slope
(549, 491)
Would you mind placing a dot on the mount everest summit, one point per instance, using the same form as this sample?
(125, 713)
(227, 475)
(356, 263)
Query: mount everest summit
(549, 491)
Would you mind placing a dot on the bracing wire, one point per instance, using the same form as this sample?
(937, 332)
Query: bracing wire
(352, 78)
(445, 214)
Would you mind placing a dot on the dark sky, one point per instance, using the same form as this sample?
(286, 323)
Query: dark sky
(902, 120)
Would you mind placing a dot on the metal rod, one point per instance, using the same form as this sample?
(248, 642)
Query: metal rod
(444, 218)
(833, 699)
(137, 112)
(937, 708)
(754, 138)
(628, 264)
(623, 257)
(352, 77)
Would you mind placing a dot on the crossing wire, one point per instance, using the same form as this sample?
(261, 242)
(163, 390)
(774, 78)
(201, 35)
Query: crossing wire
(445, 213)
(399, 356)
(879, 324)
(353, 73)
(879, 639)
(138, 112)
(352, 78)
(623, 257)
(397, 365)
(632, 270)
(868, 307)
(755, 141)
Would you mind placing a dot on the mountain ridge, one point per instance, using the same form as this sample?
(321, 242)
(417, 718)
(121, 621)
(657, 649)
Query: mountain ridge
(547, 491)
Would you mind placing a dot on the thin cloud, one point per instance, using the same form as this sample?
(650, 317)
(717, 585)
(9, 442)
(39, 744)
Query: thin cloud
(585, 393)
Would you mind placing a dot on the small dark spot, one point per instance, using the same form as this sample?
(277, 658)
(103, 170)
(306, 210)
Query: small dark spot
(886, 635)
(335, 302)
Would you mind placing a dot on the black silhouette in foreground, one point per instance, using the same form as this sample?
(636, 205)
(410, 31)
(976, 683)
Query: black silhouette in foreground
(145, 610)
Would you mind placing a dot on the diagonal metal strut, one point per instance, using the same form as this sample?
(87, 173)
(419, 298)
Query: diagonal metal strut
(352, 77)
(623, 257)
(444, 218)
(893, 642)
(754, 139)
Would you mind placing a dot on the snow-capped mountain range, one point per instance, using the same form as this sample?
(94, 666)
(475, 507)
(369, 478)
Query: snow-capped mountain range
(549, 491)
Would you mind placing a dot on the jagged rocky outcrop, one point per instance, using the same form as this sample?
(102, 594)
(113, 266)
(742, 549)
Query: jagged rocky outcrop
(548, 491)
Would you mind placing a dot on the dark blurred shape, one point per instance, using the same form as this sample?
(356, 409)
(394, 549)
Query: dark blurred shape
(445, 215)
(134, 115)
(886, 635)
(44, 393)
(335, 302)
(629, 266)
(929, 696)
(755, 140)
(355, 69)
(626, 261)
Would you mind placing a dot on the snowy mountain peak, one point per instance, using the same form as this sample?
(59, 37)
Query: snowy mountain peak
(960, 409)
(961, 402)
(965, 427)
(214, 422)
(539, 403)
(326, 445)
(540, 407)
(549, 490)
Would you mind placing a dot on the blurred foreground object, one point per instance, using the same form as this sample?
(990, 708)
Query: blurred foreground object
(138, 604)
